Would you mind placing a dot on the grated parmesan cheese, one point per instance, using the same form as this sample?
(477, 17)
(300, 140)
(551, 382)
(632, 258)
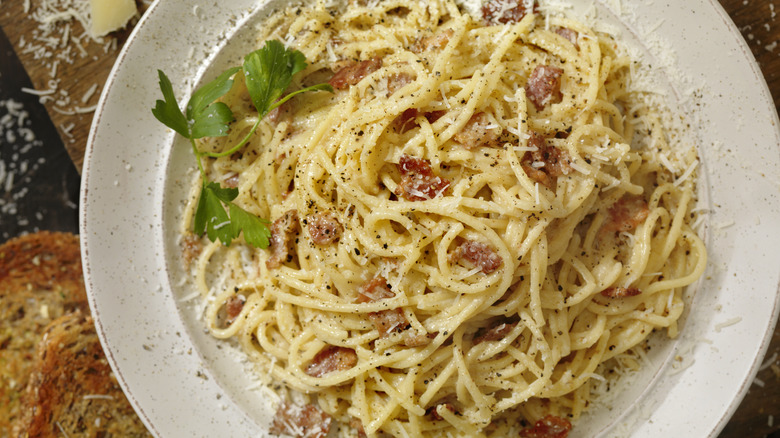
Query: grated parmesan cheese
(581, 169)
(98, 397)
(768, 363)
(536, 193)
(88, 94)
(38, 92)
(727, 323)
(687, 174)
(59, 426)
(726, 224)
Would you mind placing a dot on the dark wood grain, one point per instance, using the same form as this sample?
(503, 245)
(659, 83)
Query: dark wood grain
(53, 204)
(75, 78)
(752, 418)
(757, 20)
(759, 23)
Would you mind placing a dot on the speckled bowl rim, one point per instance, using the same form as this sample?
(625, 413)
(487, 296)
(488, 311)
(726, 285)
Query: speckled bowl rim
(174, 385)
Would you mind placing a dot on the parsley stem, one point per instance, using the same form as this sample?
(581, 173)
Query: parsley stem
(198, 156)
(267, 73)
(273, 106)
(235, 148)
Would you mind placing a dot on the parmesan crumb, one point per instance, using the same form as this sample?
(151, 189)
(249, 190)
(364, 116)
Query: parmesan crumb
(98, 397)
(727, 323)
(772, 359)
(59, 426)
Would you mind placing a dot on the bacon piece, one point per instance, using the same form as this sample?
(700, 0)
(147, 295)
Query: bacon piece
(356, 424)
(433, 410)
(544, 86)
(555, 162)
(548, 427)
(569, 34)
(331, 358)
(231, 181)
(627, 214)
(497, 331)
(418, 183)
(354, 72)
(620, 292)
(374, 290)
(283, 231)
(398, 81)
(306, 421)
(476, 132)
(433, 116)
(233, 307)
(191, 246)
(385, 321)
(418, 340)
(389, 321)
(290, 188)
(406, 120)
(504, 11)
(282, 113)
(479, 254)
(324, 228)
(432, 42)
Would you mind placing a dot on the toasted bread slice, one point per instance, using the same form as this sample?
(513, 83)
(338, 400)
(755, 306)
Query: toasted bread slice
(72, 391)
(40, 280)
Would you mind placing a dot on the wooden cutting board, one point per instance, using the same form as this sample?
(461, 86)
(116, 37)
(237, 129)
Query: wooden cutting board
(70, 75)
(78, 86)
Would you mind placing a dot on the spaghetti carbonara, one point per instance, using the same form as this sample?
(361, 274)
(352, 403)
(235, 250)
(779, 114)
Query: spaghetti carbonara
(482, 215)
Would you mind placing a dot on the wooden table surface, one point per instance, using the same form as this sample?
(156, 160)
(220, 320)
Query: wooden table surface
(68, 107)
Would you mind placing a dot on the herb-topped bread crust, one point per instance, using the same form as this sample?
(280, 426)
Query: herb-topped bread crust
(72, 390)
(40, 280)
(54, 377)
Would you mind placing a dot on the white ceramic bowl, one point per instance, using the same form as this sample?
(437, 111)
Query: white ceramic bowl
(184, 383)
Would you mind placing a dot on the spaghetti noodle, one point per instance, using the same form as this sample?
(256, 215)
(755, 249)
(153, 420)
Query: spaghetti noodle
(483, 213)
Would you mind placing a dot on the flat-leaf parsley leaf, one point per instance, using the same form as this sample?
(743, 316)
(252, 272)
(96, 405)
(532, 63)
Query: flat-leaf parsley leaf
(268, 73)
(167, 111)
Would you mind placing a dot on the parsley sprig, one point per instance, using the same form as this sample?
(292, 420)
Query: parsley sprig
(268, 72)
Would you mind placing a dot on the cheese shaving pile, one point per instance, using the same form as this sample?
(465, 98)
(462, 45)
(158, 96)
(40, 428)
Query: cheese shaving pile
(61, 38)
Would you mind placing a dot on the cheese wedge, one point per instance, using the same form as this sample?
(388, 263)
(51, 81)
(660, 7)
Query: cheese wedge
(110, 15)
